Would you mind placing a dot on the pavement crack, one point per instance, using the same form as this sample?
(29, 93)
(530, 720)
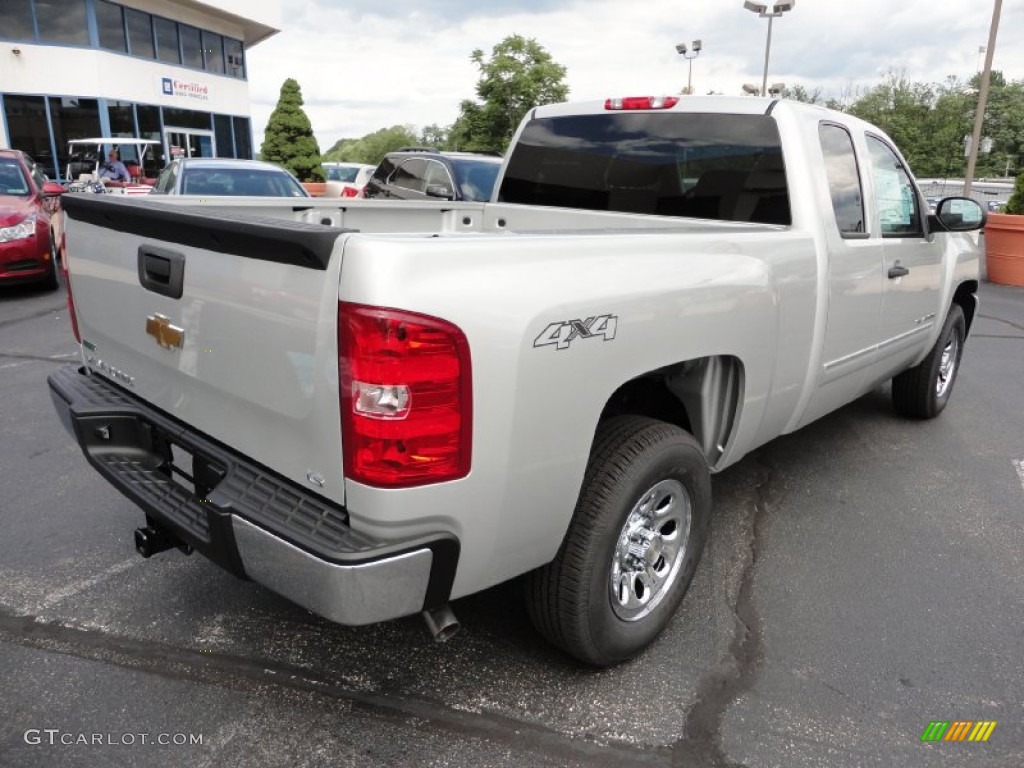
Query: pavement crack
(1010, 323)
(240, 672)
(41, 358)
(32, 315)
(720, 688)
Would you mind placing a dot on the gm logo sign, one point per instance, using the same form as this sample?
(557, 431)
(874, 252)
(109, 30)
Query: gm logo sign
(167, 86)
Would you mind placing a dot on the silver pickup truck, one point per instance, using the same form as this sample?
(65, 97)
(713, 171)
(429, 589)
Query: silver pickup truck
(376, 407)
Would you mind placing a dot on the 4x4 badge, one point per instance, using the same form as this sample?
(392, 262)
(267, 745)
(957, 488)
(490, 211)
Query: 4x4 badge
(167, 336)
(563, 333)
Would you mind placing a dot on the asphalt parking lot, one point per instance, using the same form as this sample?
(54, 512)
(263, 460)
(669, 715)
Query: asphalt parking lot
(863, 578)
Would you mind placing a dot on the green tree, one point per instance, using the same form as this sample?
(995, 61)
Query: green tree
(288, 139)
(519, 75)
(372, 147)
(1016, 202)
(929, 121)
(434, 136)
(799, 93)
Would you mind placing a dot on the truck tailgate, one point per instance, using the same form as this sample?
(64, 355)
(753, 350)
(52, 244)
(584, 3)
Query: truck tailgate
(229, 326)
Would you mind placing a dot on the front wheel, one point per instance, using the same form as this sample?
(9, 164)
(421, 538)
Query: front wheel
(924, 390)
(632, 546)
(50, 282)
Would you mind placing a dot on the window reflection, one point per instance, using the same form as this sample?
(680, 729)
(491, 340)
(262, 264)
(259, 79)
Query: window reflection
(110, 26)
(62, 21)
(167, 40)
(140, 33)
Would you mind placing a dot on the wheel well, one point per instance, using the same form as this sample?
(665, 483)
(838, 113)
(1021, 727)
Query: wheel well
(965, 297)
(701, 396)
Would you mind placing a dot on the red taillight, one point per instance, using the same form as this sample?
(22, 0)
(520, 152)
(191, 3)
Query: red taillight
(642, 102)
(406, 397)
(350, 192)
(67, 285)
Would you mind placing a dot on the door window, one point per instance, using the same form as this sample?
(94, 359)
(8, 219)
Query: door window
(898, 207)
(410, 175)
(843, 179)
(165, 184)
(438, 175)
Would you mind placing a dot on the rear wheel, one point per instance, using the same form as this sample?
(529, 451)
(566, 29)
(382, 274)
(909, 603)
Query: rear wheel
(632, 546)
(924, 390)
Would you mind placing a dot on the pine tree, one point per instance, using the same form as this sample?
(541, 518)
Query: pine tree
(288, 140)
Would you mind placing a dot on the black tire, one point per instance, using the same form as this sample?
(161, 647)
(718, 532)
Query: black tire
(50, 282)
(923, 391)
(571, 600)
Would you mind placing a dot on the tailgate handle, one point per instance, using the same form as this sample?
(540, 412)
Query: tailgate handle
(161, 271)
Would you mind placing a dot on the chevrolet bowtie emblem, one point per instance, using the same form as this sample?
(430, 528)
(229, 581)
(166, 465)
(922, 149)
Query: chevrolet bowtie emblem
(167, 336)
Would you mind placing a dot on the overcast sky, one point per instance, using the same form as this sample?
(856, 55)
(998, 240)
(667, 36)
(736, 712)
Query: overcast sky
(370, 64)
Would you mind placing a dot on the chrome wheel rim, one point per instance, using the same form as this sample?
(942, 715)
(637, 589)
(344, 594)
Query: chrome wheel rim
(947, 367)
(650, 549)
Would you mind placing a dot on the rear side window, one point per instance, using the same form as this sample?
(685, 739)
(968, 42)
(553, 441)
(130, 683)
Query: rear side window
(410, 175)
(726, 167)
(843, 178)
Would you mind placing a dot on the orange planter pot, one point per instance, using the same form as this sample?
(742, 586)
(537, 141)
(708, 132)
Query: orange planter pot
(315, 188)
(1004, 249)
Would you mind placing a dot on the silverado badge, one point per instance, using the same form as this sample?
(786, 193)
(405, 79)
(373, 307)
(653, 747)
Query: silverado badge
(167, 336)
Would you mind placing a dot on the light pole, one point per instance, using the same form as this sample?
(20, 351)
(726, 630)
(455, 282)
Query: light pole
(979, 114)
(762, 10)
(690, 54)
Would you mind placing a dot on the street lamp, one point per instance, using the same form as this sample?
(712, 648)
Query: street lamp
(690, 54)
(762, 10)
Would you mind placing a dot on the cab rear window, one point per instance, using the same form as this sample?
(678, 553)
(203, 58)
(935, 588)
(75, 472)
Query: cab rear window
(726, 167)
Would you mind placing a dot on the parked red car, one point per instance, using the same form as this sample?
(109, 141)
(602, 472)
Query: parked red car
(26, 252)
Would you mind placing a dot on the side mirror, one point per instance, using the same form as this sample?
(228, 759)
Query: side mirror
(52, 189)
(959, 214)
(438, 190)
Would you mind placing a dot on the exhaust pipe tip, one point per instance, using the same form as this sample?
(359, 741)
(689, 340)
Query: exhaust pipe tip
(441, 622)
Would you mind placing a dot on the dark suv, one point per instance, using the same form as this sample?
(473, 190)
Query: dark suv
(423, 174)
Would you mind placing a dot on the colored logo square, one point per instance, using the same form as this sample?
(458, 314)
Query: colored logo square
(167, 85)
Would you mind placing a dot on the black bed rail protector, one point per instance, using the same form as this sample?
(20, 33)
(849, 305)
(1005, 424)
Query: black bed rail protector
(212, 227)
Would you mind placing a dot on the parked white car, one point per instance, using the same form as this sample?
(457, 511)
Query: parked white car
(347, 179)
(227, 177)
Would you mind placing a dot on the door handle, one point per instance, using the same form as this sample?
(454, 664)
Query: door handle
(161, 271)
(898, 271)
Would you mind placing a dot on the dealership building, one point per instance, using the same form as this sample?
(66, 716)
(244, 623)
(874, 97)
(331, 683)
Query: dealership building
(169, 70)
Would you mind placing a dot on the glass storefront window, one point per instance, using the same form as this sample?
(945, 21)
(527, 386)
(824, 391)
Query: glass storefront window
(222, 130)
(191, 47)
(17, 20)
(213, 49)
(186, 118)
(140, 33)
(166, 40)
(27, 129)
(72, 118)
(150, 128)
(62, 21)
(243, 138)
(235, 57)
(110, 25)
(122, 118)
